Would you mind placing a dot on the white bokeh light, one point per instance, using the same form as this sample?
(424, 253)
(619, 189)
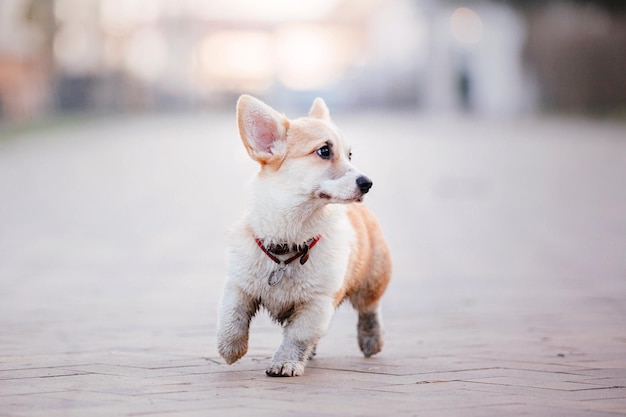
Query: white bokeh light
(466, 26)
(309, 57)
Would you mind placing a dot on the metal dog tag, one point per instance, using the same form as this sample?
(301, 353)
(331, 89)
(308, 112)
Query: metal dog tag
(277, 275)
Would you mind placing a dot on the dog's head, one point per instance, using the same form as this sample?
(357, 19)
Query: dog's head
(306, 156)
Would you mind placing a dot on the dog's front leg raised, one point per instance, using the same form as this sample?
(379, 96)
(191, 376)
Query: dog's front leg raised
(236, 311)
(301, 333)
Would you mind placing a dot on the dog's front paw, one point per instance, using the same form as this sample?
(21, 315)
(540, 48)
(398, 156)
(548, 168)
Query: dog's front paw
(285, 369)
(232, 351)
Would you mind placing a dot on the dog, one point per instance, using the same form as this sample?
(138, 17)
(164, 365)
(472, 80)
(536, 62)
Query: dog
(306, 244)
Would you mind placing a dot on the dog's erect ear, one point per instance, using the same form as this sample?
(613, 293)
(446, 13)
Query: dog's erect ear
(262, 129)
(319, 110)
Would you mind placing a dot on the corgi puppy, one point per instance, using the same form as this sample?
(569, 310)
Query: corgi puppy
(306, 245)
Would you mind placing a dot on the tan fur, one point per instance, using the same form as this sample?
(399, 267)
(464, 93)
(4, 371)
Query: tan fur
(369, 269)
(307, 187)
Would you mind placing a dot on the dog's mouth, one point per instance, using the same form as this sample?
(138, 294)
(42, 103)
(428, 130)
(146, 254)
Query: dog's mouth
(332, 199)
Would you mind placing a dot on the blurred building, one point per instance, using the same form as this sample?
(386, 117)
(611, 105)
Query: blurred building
(486, 58)
(578, 54)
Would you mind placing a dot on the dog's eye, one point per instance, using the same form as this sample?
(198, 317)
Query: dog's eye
(324, 152)
(350, 156)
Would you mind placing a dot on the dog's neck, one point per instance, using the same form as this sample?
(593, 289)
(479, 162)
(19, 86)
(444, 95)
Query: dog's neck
(276, 218)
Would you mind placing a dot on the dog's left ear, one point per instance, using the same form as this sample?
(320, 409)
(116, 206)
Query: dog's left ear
(319, 110)
(262, 129)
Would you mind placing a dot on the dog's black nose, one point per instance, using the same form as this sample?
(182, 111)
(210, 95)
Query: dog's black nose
(364, 184)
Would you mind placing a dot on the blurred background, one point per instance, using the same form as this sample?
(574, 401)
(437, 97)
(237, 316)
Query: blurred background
(490, 58)
(493, 130)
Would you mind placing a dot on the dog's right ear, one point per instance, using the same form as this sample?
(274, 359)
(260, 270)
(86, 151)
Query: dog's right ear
(262, 129)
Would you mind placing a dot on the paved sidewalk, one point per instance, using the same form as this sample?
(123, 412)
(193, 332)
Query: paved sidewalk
(508, 297)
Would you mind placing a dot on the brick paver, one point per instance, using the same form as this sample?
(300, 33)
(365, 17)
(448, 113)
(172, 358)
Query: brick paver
(508, 297)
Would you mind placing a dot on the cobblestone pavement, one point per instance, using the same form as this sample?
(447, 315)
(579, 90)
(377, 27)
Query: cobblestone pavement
(508, 298)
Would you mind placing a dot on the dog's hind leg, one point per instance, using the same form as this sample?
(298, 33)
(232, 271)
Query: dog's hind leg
(366, 300)
(370, 326)
(313, 352)
(369, 330)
